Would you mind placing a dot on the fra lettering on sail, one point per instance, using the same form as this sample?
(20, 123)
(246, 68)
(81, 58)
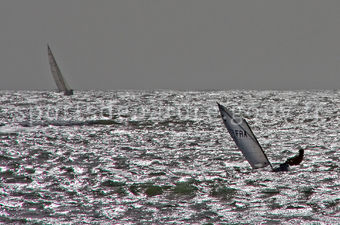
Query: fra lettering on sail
(239, 133)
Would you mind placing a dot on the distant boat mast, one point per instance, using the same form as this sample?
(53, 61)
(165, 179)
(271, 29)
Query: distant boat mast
(58, 77)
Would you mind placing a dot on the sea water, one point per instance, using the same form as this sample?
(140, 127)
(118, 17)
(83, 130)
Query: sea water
(165, 157)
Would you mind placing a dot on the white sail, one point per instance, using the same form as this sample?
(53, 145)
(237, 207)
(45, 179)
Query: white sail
(244, 139)
(58, 77)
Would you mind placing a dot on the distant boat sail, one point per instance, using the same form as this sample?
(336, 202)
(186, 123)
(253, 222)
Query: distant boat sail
(58, 77)
(244, 139)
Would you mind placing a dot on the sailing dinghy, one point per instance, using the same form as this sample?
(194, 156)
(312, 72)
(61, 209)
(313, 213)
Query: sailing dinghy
(58, 77)
(245, 139)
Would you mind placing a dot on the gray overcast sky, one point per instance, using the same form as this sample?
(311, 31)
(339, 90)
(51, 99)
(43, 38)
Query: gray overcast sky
(173, 44)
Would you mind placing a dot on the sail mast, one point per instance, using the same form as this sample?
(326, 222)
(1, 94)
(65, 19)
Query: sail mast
(258, 142)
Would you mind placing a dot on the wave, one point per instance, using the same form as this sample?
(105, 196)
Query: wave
(68, 123)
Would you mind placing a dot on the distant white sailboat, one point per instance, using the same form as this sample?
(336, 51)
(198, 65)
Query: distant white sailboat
(245, 139)
(58, 77)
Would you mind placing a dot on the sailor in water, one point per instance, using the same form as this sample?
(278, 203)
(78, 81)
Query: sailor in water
(296, 160)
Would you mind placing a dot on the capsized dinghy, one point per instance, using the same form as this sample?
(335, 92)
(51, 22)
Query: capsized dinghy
(245, 139)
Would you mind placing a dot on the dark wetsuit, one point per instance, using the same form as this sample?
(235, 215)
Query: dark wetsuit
(296, 160)
(283, 167)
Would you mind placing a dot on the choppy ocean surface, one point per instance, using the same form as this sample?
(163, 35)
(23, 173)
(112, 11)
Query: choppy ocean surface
(165, 157)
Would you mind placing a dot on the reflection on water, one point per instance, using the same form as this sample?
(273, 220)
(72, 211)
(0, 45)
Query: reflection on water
(152, 157)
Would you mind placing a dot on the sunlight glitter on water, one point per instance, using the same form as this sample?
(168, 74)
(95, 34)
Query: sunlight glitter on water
(167, 159)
